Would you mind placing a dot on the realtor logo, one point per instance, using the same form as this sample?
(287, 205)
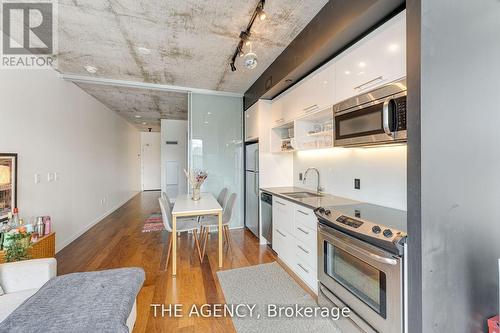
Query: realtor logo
(28, 34)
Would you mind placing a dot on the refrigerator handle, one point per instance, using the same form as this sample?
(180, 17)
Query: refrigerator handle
(255, 183)
(256, 159)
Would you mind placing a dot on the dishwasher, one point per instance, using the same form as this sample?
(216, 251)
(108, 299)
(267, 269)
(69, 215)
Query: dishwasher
(266, 207)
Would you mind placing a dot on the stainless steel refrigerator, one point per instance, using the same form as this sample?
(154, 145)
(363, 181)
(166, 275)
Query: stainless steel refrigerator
(252, 188)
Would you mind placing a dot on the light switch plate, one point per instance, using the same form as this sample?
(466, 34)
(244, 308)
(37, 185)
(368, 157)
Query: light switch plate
(50, 177)
(37, 178)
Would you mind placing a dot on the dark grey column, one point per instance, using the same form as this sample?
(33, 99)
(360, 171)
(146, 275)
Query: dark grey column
(454, 178)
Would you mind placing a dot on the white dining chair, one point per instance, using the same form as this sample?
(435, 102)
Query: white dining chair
(221, 199)
(212, 221)
(167, 200)
(182, 225)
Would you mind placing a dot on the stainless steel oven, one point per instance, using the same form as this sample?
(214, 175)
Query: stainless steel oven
(366, 278)
(373, 118)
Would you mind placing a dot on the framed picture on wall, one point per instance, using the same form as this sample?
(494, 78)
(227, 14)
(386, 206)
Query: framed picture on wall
(8, 184)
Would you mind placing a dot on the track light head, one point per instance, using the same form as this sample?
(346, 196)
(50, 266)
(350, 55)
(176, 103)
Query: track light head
(262, 15)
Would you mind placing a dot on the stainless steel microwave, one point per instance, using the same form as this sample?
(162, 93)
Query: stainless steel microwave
(373, 118)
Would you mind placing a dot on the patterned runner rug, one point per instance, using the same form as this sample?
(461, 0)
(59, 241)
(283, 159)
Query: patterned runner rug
(153, 223)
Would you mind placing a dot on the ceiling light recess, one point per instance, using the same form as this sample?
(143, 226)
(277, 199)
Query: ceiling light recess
(144, 50)
(250, 58)
(91, 69)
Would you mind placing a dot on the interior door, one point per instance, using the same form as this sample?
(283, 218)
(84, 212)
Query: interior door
(151, 166)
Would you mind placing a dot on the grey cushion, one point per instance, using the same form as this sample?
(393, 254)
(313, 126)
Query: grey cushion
(79, 302)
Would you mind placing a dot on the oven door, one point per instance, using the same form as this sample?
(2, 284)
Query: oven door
(377, 122)
(365, 278)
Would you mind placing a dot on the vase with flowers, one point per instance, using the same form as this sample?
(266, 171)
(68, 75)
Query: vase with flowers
(196, 179)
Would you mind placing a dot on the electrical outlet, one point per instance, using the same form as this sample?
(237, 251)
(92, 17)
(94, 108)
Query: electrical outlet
(357, 183)
(50, 177)
(56, 176)
(300, 175)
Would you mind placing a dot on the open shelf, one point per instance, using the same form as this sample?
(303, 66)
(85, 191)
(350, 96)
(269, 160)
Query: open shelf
(283, 138)
(315, 131)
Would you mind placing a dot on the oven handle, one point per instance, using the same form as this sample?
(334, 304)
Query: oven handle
(385, 116)
(376, 257)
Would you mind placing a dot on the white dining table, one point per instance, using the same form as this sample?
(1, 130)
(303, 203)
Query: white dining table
(185, 206)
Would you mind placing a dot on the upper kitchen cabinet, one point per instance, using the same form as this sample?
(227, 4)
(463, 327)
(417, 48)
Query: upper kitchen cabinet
(377, 59)
(277, 114)
(252, 123)
(313, 93)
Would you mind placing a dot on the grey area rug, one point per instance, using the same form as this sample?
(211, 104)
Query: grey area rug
(269, 284)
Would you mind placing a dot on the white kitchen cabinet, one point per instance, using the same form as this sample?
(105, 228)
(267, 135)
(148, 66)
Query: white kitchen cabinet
(252, 123)
(316, 92)
(277, 116)
(377, 59)
(313, 93)
(283, 212)
(295, 239)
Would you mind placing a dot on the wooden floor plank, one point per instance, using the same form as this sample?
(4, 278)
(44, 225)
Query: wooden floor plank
(118, 241)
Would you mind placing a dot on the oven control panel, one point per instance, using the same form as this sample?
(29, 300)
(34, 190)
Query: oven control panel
(353, 223)
(375, 234)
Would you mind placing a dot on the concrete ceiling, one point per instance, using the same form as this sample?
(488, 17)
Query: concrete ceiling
(149, 105)
(191, 43)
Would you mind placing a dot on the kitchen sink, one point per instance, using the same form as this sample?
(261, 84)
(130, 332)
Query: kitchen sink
(302, 195)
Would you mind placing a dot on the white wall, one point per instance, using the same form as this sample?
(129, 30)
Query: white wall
(56, 127)
(151, 160)
(174, 130)
(382, 171)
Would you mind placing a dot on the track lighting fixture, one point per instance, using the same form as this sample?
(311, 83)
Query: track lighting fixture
(250, 58)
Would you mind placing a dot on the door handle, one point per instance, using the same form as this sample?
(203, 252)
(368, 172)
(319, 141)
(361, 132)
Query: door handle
(255, 184)
(334, 240)
(300, 247)
(385, 116)
(300, 229)
(310, 108)
(368, 83)
(303, 268)
(279, 232)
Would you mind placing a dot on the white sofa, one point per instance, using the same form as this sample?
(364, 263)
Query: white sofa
(20, 280)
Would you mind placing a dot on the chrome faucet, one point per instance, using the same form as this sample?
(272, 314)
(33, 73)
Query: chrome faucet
(318, 187)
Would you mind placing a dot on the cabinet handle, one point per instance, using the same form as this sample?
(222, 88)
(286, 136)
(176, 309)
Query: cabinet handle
(278, 202)
(303, 268)
(310, 108)
(302, 212)
(300, 247)
(279, 232)
(300, 229)
(360, 87)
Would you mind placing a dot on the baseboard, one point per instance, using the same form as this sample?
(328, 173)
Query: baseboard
(94, 222)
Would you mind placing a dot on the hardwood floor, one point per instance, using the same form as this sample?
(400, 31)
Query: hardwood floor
(118, 241)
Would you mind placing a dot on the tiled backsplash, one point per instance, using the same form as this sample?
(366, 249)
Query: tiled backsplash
(381, 170)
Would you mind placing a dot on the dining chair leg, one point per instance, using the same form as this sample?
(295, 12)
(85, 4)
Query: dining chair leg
(195, 234)
(168, 250)
(205, 242)
(202, 231)
(228, 236)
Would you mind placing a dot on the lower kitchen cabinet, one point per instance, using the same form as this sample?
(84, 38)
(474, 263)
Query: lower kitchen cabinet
(295, 239)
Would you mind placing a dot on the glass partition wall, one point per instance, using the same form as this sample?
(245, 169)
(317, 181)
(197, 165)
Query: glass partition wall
(216, 145)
